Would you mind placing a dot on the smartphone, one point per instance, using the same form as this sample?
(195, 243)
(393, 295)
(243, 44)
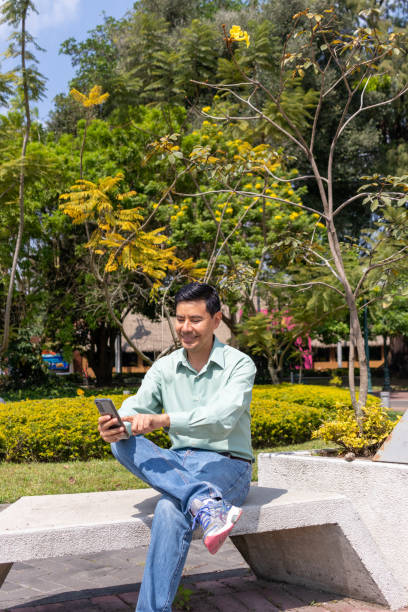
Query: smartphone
(106, 406)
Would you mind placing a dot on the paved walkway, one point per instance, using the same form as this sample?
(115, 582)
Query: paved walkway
(398, 400)
(109, 582)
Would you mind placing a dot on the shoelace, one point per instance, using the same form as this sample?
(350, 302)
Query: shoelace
(204, 519)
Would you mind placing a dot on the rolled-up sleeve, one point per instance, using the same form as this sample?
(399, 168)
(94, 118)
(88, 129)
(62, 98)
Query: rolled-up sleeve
(218, 418)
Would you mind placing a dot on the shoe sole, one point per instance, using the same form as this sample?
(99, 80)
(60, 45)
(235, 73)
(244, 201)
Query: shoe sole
(214, 541)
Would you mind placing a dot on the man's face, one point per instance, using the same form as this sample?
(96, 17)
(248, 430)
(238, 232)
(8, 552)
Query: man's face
(195, 326)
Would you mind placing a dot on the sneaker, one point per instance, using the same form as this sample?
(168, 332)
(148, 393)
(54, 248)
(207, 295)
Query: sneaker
(217, 518)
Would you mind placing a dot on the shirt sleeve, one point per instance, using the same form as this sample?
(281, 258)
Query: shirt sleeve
(219, 417)
(148, 399)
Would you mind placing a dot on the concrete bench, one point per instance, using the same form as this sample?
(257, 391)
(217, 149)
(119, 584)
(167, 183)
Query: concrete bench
(309, 538)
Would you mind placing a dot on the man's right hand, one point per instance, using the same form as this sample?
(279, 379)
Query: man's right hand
(107, 432)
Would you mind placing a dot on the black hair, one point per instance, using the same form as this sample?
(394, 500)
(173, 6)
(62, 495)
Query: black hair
(199, 291)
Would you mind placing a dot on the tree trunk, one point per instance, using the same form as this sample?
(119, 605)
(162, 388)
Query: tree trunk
(356, 336)
(101, 354)
(273, 372)
(9, 299)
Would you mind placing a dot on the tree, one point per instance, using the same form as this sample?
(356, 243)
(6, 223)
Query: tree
(345, 65)
(276, 335)
(30, 87)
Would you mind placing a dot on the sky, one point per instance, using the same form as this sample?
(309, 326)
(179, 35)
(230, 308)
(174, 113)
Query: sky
(56, 21)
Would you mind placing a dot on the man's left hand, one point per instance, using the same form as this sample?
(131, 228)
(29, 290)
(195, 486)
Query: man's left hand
(145, 423)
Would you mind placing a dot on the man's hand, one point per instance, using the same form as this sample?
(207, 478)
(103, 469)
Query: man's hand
(145, 423)
(107, 429)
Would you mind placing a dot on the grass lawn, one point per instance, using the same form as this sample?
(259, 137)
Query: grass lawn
(18, 479)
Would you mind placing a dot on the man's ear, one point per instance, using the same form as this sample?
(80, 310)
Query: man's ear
(217, 318)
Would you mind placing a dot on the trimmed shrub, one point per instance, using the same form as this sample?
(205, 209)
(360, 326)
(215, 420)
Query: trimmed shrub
(66, 429)
(57, 430)
(311, 395)
(281, 423)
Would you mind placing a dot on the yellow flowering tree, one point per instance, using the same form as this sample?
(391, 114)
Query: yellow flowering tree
(118, 238)
(119, 242)
(89, 102)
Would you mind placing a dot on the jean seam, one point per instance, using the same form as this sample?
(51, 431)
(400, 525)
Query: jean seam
(175, 573)
(233, 485)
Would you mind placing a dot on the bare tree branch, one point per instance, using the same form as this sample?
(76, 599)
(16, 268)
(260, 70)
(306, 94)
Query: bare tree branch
(306, 285)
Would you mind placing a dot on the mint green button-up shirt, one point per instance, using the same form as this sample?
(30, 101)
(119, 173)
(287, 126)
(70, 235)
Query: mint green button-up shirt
(208, 409)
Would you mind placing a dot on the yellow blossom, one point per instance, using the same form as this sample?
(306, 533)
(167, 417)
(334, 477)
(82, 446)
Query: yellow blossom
(247, 186)
(206, 123)
(237, 34)
(268, 190)
(250, 174)
(277, 217)
(95, 96)
(228, 210)
(80, 392)
(205, 137)
(290, 192)
(293, 216)
(258, 186)
(205, 109)
(320, 225)
(219, 133)
(257, 261)
(316, 216)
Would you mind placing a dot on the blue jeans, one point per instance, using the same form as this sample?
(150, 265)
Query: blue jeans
(181, 476)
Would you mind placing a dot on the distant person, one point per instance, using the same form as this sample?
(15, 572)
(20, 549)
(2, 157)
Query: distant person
(205, 391)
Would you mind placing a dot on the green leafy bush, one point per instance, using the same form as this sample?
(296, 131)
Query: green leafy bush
(66, 429)
(318, 396)
(57, 430)
(24, 364)
(342, 428)
(275, 423)
(57, 386)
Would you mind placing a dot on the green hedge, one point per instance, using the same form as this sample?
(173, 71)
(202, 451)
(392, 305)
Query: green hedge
(318, 396)
(56, 430)
(66, 429)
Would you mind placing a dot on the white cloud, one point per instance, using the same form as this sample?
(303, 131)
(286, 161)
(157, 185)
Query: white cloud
(52, 13)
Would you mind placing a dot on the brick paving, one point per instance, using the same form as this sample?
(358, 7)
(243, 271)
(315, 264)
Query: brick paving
(243, 593)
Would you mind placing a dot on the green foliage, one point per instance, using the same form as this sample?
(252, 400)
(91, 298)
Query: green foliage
(342, 429)
(279, 422)
(65, 429)
(183, 598)
(57, 430)
(308, 395)
(24, 364)
(335, 381)
(3, 450)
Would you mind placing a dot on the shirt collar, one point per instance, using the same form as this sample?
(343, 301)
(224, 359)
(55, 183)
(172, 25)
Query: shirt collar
(216, 355)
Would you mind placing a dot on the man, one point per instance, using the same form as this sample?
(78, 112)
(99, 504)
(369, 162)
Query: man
(205, 391)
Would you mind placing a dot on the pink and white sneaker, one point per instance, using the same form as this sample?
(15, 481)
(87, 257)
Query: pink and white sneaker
(217, 518)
